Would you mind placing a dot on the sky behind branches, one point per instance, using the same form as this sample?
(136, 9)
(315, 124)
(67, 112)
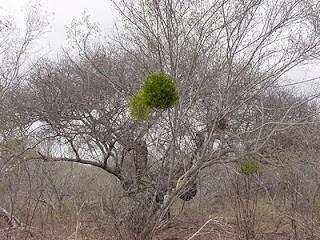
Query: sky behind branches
(60, 13)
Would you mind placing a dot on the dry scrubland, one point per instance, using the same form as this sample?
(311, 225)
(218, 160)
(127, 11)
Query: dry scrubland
(182, 125)
(68, 201)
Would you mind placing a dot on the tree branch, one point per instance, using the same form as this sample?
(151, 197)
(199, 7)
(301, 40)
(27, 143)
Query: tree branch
(114, 171)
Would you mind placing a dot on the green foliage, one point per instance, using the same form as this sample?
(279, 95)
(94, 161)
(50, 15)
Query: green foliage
(158, 93)
(317, 206)
(249, 167)
(138, 108)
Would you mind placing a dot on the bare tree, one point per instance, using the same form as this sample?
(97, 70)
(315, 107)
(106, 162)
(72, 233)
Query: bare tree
(15, 46)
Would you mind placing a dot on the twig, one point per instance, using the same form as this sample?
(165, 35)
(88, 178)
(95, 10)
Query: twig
(200, 229)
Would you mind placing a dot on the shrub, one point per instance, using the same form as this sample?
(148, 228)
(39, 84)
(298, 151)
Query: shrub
(249, 167)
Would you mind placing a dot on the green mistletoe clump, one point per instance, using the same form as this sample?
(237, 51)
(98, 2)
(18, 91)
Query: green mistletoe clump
(249, 167)
(139, 110)
(158, 93)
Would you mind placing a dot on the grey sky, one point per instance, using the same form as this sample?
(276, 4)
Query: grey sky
(61, 13)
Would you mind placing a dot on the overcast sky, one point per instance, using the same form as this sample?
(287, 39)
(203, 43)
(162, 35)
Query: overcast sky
(61, 13)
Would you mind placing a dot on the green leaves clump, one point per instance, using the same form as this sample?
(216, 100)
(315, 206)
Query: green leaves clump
(138, 108)
(248, 167)
(158, 93)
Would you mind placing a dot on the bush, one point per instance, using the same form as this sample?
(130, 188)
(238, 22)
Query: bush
(248, 167)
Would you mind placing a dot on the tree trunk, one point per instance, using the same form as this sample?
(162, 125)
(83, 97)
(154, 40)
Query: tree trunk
(141, 216)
